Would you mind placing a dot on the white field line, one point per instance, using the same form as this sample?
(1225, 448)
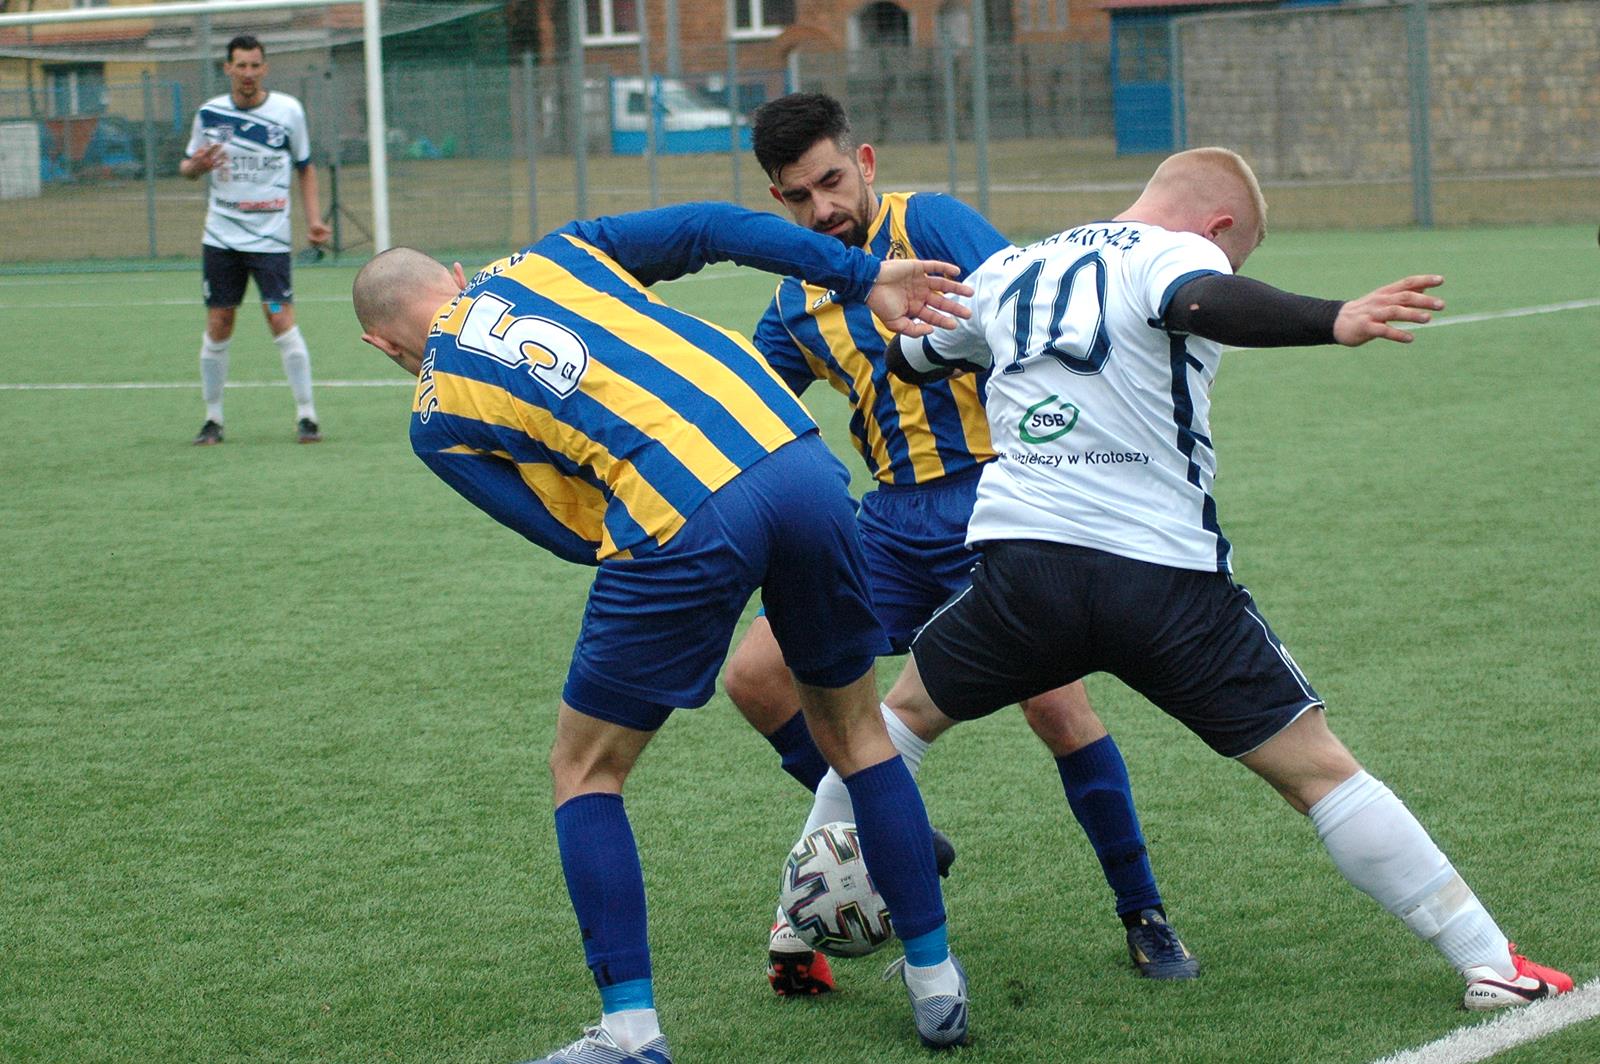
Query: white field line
(1483, 1040)
(704, 275)
(154, 386)
(1465, 319)
(1516, 312)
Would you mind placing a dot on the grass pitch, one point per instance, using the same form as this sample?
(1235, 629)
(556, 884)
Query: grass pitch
(275, 717)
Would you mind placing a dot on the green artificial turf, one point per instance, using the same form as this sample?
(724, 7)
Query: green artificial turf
(274, 718)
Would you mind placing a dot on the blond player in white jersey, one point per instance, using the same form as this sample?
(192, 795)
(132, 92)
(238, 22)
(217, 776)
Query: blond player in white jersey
(249, 140)
(1101, 549)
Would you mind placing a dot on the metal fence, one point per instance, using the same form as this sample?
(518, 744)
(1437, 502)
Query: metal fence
(467, 176)
(1453, 112)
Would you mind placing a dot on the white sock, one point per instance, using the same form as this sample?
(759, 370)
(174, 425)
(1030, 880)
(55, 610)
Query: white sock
(631, 1028)
(909, 743)
(832, 801)
(297, 367)
(1380, 847)
(213, 374)
(942, 978)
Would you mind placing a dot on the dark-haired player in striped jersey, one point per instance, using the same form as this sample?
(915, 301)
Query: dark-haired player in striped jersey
(925, 447)
(559, 395)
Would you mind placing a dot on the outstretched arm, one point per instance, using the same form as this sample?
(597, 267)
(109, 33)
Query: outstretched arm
(1244, 312)
(668, 242)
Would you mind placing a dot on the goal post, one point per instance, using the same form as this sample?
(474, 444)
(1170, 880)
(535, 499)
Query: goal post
(371, 28)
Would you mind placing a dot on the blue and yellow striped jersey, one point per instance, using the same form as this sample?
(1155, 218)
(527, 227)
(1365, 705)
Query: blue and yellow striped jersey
(562, 397)
(906, 434)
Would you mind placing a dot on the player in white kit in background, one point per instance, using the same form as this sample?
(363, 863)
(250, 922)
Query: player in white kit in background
(1101, 550)
(248, 140)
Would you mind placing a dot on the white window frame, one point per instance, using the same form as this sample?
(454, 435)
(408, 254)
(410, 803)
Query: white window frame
(607, 34)
(759, 30)
(70, 77)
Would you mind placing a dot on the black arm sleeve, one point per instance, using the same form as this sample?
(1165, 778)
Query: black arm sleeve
(1242, 312)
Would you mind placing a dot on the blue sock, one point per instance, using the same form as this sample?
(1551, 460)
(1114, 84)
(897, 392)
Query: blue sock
(601, 863)
(897, 845)
(634, 994)
(925, 951)
(1101, 797)
(801, 758)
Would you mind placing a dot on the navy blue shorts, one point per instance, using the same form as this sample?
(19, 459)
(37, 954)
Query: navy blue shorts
(1040, 615)
(915, 541)
(657, 627)
(224, 273)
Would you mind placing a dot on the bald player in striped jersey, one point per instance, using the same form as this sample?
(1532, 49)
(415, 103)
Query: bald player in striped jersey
(559, 395)
(924, 447)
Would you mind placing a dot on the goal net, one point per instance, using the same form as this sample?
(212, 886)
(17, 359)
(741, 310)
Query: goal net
(95, 117)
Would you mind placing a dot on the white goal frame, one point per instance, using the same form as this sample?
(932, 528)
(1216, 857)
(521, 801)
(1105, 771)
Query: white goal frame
(372, 51)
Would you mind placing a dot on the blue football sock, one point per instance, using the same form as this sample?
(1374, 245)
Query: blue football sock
(1101, 797)
(897, 845)
(634, 994)
(800, 756)
(601, 863)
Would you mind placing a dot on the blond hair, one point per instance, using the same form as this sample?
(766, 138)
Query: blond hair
(1205, 176)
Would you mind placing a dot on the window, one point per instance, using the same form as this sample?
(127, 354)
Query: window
(955, 24)
(76, 88)
(611, 22)
(759, 18)
(880, 25)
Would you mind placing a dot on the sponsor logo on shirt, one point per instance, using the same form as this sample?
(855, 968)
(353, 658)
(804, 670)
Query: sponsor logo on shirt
(1049, 419)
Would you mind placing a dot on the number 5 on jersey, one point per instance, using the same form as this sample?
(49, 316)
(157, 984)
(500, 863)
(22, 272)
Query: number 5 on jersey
(553, 354)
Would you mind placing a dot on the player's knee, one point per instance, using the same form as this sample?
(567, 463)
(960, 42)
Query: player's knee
(760, 685)
(280, 317)
(219, 323)
(1063, 719)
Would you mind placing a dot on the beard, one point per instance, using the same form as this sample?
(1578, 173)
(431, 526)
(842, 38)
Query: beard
(855, 234)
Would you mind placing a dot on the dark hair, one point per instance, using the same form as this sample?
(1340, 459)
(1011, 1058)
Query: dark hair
(785, 129)
(245, 42)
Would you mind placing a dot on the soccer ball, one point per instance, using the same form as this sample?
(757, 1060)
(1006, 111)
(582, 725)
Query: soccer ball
(828, 897)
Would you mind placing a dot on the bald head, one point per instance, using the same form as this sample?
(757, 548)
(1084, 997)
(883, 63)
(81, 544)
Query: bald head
(1209, 191)
(396, 296)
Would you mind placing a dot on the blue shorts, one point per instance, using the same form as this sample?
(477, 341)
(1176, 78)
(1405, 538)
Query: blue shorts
(915, 541)
(657, 627)
(1040, 615)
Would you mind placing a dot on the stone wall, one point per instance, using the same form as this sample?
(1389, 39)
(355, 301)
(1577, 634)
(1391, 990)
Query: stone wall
(1324, 92)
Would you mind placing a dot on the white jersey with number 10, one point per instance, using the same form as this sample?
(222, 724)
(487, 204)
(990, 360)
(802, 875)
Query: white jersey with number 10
(1100, 416)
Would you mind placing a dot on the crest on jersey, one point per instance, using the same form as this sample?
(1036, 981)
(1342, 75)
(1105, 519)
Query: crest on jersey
(898, 249)
(276, 135)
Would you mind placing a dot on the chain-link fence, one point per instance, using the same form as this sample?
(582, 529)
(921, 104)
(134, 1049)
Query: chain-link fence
(1460, 112)
(1475, 112)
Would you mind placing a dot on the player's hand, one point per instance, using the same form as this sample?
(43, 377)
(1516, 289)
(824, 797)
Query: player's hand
(1369, 317)
(208, 158)
(318, 232)
(912, 296)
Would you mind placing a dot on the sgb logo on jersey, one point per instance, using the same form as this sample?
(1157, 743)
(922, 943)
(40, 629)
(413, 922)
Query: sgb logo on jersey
(1041, 425)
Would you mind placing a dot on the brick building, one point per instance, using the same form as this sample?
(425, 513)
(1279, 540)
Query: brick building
(767, 32)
